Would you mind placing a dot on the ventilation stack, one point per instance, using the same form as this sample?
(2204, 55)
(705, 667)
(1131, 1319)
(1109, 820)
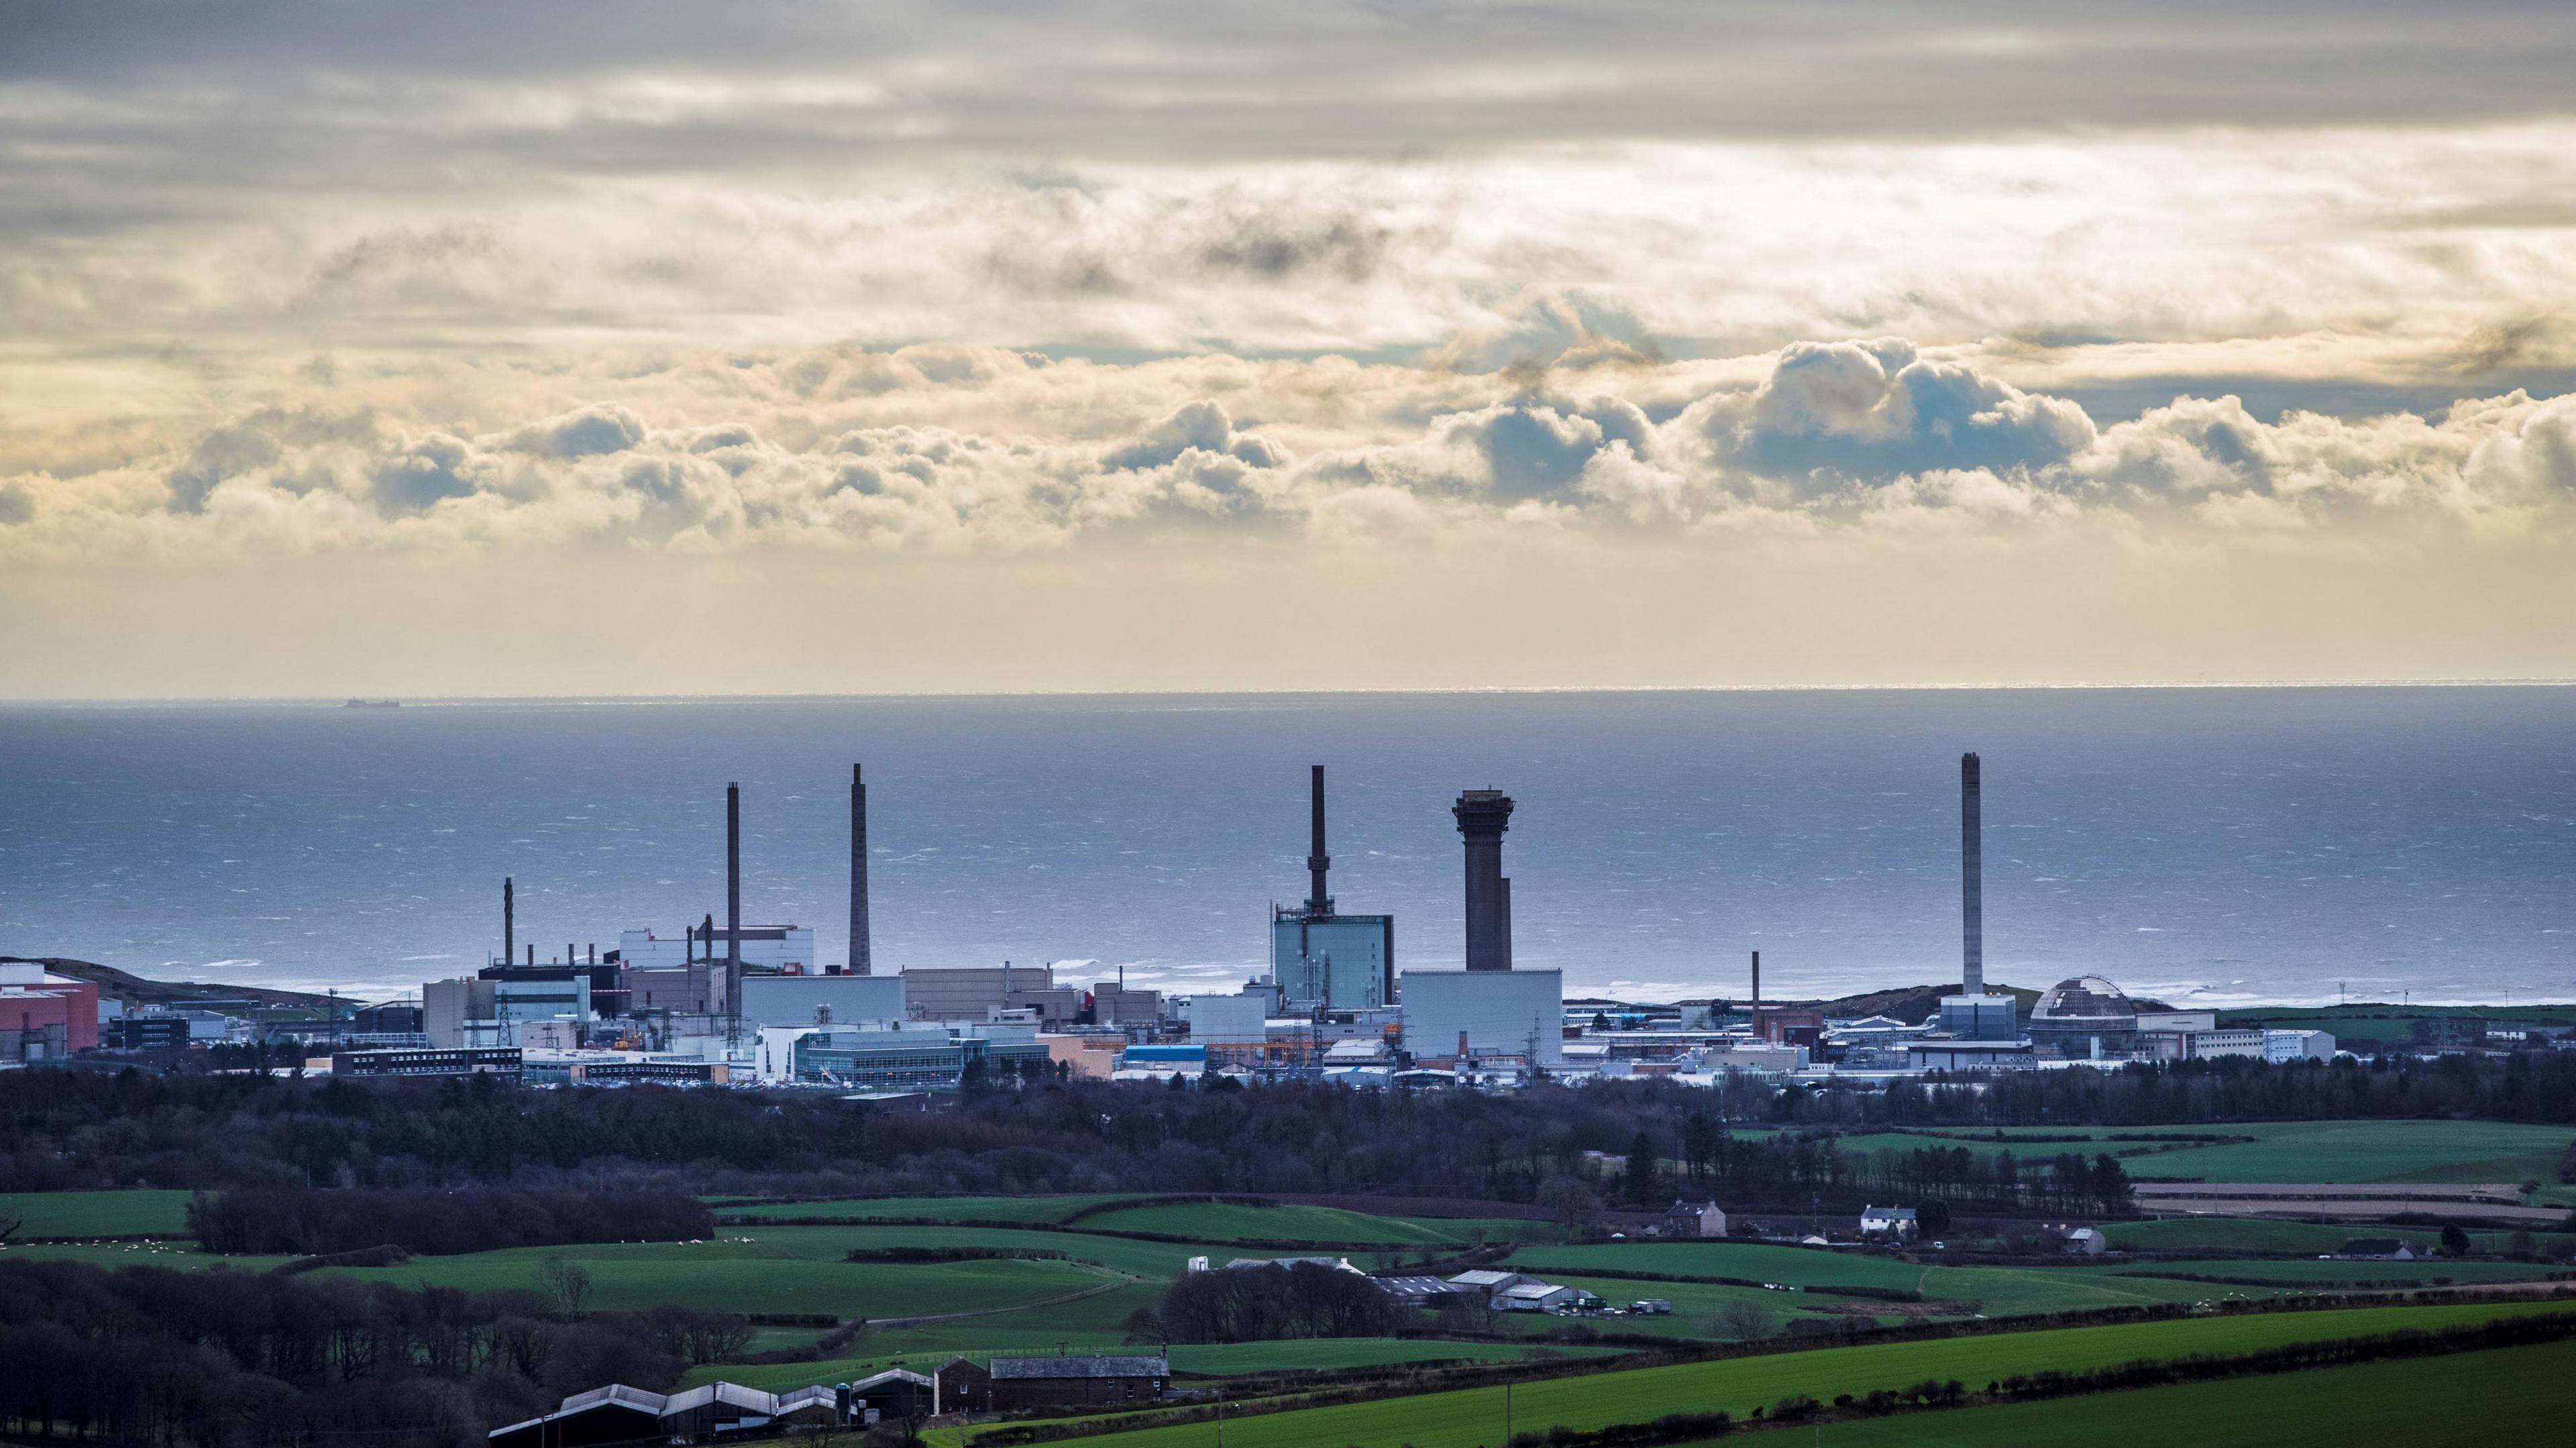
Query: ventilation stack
(1483, 815)
(1319, 900)
(859, 962)
(1972, 880)
(733, 905)
(509, 919)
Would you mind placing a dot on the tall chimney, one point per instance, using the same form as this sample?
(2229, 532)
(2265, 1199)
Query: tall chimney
(1483, 815)
(1319, 900)
(1757, 995)
(733, 899)
(859, 961)
(509, 920)
(1972, 880)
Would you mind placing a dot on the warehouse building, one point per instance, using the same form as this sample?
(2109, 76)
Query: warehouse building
(1063, 1382)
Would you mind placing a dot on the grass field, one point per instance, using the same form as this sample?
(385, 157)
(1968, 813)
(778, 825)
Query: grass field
(1207, 1360)
(1468, 1418)
(182, 1256)
(2246, 1234)
(2370, 1151)
(1228, 1222)
(941, 1209)
(102, 1214)
(2291, 1151)
(787, 1269)
(2519, 1396)
(2327, 1274)
(1758, 1262)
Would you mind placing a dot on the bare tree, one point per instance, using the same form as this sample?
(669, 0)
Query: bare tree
(568, 1283)
(1569, 1203)
(1742, 1320)
(9, 1227)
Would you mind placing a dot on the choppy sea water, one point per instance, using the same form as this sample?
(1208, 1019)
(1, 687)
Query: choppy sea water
(2217, 845)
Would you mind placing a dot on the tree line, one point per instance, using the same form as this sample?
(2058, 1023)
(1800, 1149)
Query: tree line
(303, 1221)
(225, 1359)
(1254, 1304)
(66, 1129)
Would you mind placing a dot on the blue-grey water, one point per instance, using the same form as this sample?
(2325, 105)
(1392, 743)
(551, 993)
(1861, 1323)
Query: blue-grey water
(2217, 845)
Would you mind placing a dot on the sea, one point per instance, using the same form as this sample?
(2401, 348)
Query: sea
(2200, 846)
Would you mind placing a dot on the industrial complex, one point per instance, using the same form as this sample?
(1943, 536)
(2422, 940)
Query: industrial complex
(730, 1002)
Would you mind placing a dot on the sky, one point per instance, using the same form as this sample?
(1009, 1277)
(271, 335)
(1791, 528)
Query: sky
(654, 348)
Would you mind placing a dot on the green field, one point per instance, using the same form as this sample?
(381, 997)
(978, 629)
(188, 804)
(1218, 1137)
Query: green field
(1754, 1261)
(180, 1255)
(938, 1209)
(1230, 1222)
(2286, 1151)
(785, 1269)
(2247, 1234)
(2369, 1151)
(2517, 1395)
(2325, 1274)
(1468, 1418)
(1204, 1360)
(96, 1214)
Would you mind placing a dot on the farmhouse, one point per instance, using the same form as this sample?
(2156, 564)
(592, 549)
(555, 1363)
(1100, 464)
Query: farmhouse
(1694, 1219)
(1887, 1221)
(2388, 1248)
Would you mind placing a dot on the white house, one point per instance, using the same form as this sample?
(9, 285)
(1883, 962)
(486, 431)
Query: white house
(1886, 1221)
(1695, 1219)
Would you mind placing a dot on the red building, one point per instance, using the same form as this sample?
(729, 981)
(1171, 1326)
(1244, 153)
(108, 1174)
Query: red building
(43, 1015)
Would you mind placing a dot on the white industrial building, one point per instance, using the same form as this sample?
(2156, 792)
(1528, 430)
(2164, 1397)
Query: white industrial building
(806, 1000)
(1494, 1012)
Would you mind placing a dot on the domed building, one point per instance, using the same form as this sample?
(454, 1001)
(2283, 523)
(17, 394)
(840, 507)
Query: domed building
(2075, 1013)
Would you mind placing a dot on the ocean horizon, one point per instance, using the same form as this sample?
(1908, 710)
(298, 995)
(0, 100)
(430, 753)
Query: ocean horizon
(2211, 844)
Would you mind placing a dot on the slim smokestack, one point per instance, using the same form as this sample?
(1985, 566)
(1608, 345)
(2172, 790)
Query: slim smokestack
(1483, 815)
(1757, 995)
(733, 899)
(859, 961)
(1972, 880)
(1319, 900)
(509, 920)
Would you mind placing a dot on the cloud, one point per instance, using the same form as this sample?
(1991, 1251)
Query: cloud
(582, 432)
(809, 451)
(1867, 411)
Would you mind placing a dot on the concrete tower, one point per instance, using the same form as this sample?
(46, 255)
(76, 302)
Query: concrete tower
(1319, 900)
(1483, 815)
(509, 921)
(1972, 884)
(859, 964)
(733, 901)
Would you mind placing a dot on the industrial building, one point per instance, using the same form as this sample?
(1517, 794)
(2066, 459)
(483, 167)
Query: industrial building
(432, 1061)
(805, 1000)
(43, 1016)
(893, 1055)
(1321, 958)
(2085, 1017)
(979, 992)
(1471, 1014)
